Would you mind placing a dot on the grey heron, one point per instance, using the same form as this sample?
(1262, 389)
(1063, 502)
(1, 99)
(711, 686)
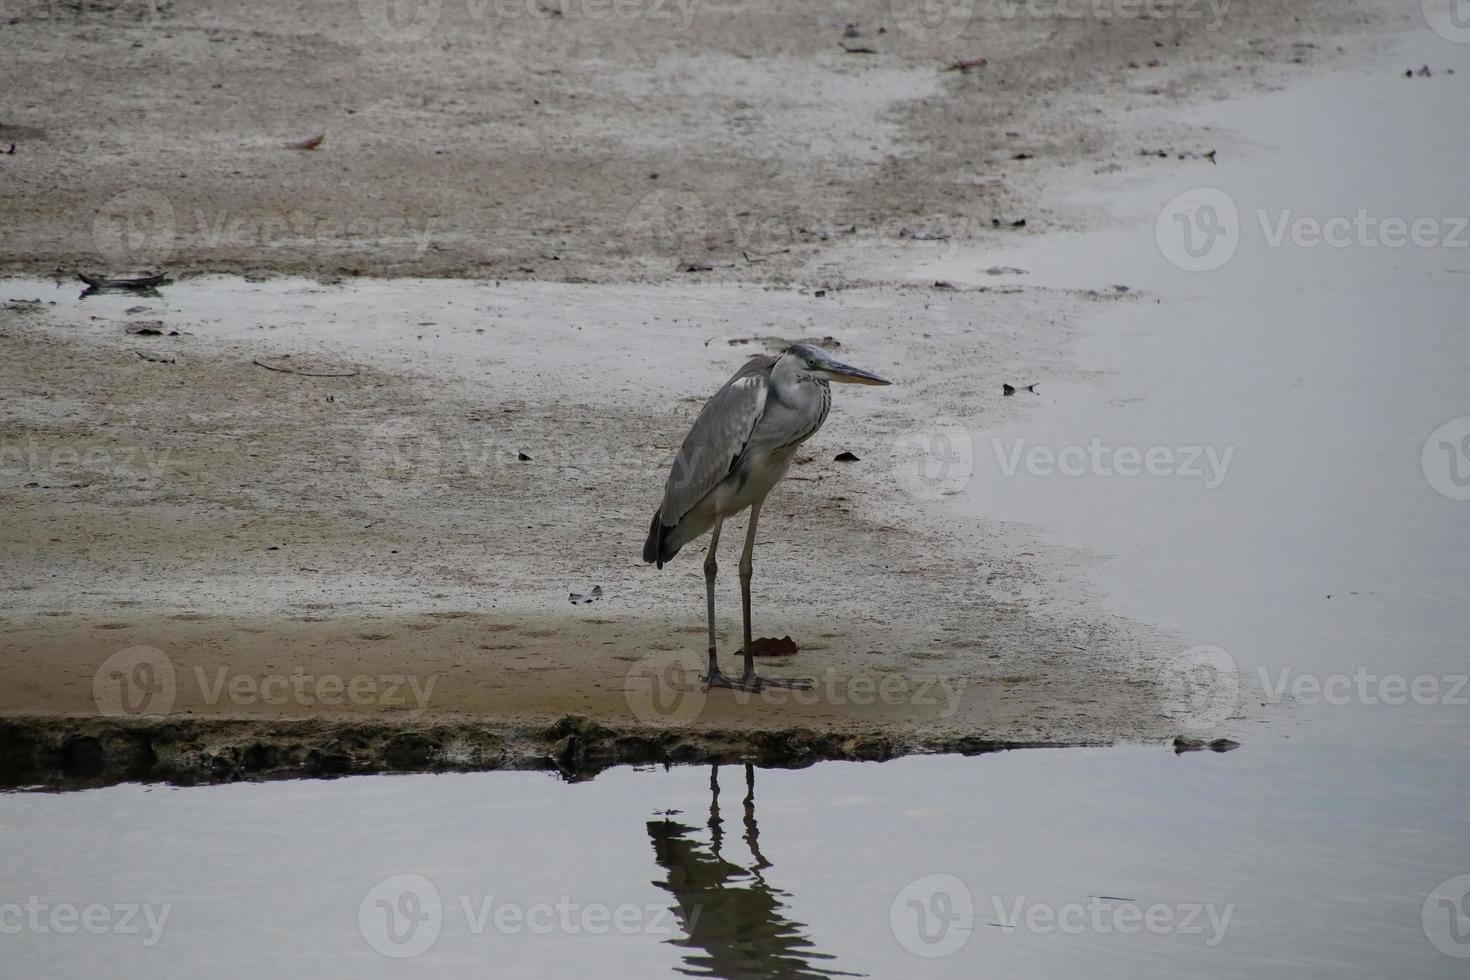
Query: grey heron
(734, 455)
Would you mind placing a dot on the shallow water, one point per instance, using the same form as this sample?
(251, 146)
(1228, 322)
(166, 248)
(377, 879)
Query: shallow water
(1330, 845)
(1307, 514)
(1240, 865)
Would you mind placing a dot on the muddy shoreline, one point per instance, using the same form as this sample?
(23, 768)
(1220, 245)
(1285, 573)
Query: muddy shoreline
(458, 457)
(70, 753)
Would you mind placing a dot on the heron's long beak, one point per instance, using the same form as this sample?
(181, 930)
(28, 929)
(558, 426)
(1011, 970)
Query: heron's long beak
(848, 374)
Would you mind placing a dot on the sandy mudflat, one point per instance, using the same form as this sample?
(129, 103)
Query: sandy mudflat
(224, 569)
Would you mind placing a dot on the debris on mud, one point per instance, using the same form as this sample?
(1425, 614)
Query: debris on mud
(1009, 390)
(845, 457)
(141, 282)
(303, 373)
(150, 328)
(1183, 744)
(578, 599)
(771, 646)
(307, 144)
(967, 65)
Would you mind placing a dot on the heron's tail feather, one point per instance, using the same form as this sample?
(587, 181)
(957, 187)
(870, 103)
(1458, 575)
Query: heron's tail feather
(658, 548)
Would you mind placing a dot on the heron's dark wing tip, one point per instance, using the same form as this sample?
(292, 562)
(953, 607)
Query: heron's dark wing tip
(654, 549)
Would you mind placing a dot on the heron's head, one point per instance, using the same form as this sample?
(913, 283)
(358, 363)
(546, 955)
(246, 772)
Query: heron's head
(816, 363)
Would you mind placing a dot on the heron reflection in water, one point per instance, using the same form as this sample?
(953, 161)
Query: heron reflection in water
(735, 922)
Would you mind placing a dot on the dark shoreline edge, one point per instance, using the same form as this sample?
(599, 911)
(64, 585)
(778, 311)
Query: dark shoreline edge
(52, 753)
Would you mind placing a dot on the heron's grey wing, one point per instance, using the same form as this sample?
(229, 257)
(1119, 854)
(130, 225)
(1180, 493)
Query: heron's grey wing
(717, 439)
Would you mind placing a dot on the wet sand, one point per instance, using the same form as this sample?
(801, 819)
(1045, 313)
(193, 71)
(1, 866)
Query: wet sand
(212, 568)
(185, 540)
(605, 142)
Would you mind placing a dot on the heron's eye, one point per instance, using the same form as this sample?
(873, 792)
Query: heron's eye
(811, 363)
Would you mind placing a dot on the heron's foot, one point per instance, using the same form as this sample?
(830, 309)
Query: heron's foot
(755, 682)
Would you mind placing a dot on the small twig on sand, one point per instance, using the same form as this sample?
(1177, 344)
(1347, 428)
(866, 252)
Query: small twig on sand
(307, 144)
(967, 65)
(155, 358)
(306, 374)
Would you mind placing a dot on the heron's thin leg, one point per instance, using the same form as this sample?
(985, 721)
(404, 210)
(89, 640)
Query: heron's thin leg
(710, 568)
(749, 680)
(745, 571)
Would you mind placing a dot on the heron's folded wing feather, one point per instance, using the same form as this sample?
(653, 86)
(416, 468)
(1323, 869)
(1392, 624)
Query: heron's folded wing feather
(716, 440)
